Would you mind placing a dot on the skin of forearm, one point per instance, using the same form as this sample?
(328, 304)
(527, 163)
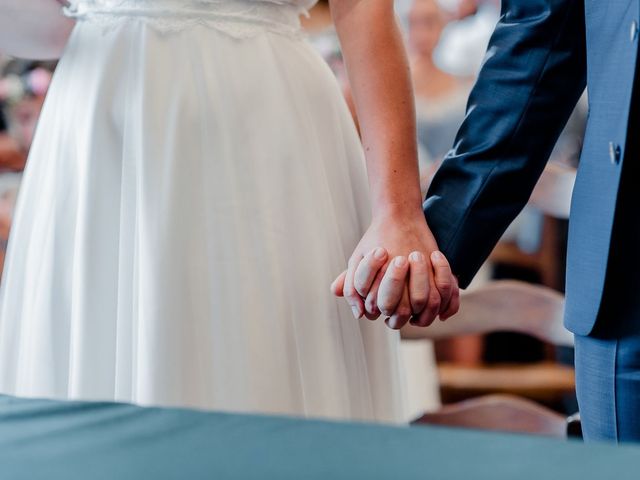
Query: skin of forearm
(380, 80)
(34, 29)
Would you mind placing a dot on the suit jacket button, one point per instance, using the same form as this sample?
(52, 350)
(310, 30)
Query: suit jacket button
(614, 153)
(634, 31)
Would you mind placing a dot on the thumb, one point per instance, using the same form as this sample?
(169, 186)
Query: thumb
(337, 286)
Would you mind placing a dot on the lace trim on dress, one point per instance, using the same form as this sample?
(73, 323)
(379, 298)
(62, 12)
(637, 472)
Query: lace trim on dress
(238, 19)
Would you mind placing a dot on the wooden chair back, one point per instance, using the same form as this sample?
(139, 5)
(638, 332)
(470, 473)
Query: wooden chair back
(500, 413)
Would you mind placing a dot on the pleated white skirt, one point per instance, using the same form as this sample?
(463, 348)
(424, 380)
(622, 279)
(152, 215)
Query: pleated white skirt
(187, 202)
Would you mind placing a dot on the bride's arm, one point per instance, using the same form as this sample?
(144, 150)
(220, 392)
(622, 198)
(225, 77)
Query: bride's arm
(34, 29)
(379, 74)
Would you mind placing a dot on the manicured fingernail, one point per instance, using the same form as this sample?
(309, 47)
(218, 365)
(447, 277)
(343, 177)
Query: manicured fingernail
(400, 262)
(437, 256)
(379, 253)
(416, 257)
(356, 312)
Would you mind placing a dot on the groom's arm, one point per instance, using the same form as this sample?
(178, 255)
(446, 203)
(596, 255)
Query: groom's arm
(532, 77)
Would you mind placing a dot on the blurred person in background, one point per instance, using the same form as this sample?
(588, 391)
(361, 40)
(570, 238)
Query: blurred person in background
(441, 98)
(23, 86)
(11, 157)
(464, 40)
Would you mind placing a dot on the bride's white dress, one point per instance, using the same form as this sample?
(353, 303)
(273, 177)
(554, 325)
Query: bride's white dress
(195, 184)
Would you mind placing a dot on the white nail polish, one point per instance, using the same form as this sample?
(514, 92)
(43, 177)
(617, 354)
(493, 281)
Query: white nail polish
(416, 257)
(379, 253)
(437, 256)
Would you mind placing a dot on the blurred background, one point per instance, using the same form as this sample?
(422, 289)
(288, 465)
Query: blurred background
(508, 338)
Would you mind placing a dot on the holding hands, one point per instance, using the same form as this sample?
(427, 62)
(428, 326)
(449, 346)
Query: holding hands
(397, 271)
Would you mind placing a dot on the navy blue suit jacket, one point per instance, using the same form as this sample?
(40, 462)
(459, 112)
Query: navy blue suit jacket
(540, 58)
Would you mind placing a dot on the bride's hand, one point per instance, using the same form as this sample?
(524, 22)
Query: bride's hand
(391, 250)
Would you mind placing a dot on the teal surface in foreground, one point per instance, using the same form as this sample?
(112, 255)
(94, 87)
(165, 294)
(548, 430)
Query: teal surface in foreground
(42, 439)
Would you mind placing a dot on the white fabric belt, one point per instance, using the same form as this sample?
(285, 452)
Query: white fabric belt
(237, 18)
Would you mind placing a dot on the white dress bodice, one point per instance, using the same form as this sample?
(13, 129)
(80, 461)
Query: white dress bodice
(239, 18)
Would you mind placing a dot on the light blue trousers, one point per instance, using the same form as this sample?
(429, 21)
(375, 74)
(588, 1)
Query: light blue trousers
(608, 387)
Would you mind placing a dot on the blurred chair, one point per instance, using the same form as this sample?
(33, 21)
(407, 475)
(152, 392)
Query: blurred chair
(504, 413)
(503, 305)
(545, 382)
(552, 197)
(552, 194)
(509, 306)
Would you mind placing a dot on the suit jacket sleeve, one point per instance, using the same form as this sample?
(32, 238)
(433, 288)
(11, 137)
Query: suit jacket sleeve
(532, 77)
